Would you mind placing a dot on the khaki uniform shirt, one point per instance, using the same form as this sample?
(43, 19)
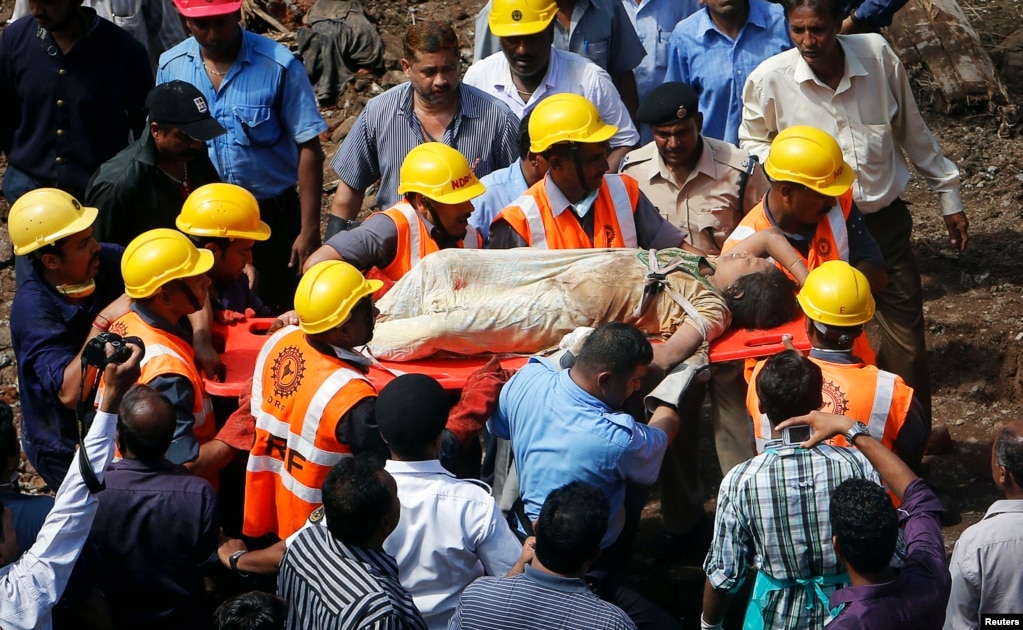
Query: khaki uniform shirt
(706, 205)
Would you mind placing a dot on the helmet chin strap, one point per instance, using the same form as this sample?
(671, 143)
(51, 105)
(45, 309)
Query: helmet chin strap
(579, 167)
(193, 300)
(75, 291)
(434, 217)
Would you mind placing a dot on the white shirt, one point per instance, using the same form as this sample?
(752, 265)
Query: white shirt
(32, 585)
(872, 114)
(566, 73)
(986, 575)
(450, 533)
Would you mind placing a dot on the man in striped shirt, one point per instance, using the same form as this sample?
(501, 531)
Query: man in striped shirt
(572, 523)
(773, 513)
(339, 576)
(432, 107)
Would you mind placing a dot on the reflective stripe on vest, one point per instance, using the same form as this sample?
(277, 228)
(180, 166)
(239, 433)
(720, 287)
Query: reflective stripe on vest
(201, 415)
(413, 244)
(537, 231)
(839, 231)
(267, 464)
(614, 204)
(165, 353)
(299, 394)
(623, 209)
(884, 392)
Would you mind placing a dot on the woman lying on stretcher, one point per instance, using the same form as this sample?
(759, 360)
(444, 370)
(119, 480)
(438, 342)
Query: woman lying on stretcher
(468, 302)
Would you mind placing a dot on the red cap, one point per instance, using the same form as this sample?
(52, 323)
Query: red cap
(207, 8)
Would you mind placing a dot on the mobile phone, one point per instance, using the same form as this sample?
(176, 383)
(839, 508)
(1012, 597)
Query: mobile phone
(794, 436)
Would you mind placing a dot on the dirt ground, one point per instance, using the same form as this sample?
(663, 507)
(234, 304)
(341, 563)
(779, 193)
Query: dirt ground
(974, 305)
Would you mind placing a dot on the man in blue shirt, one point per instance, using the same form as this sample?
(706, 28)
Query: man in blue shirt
(71, 295)
(435, 105)
(715, 49)
(654, 21)
(65, 110)
(159, 584)
(567, 425)
(508, 184)
(259, 92)
(551, 579)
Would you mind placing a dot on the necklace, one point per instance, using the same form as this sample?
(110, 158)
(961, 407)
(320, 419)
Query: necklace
(216, 72)
(179, 182)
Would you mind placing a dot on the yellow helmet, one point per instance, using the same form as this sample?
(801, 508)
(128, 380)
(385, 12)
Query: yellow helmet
(222, 211)
(438, 172)
(511, 18)
(808, 156)
(837, 294)
(43, 216)
(327, 293)
(566, 118)
(159, 256)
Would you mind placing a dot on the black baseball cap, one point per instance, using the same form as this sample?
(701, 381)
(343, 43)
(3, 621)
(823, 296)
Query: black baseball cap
(183, 106)
(669, 103)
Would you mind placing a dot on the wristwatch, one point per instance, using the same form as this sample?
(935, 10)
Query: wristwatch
(233, 561)
(855, 431)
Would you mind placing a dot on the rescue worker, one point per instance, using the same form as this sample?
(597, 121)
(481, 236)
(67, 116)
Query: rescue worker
(837, 303)
(311, 398)
(809, 199)
(166, 276)
(578, 205)
(437, 184)
(71, 294)
(224, 218)
(702, 185)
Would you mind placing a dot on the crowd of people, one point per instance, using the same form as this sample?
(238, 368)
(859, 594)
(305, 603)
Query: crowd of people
(650, 168)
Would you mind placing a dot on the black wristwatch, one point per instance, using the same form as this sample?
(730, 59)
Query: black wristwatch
(233, 561)
(857, 429)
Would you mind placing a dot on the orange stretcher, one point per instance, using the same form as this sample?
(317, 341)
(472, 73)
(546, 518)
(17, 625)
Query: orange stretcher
(747, 343)
(238, 345)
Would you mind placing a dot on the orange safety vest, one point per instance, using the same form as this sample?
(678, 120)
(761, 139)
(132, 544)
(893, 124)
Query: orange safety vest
(879, 399)
(299, 396)
(166, 353)
(614, 225)
(830, 242)
(415, 242)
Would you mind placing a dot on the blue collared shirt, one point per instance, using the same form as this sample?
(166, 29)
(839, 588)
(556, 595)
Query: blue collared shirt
(160, 580)
(64, 114)
(484, 131)
(654, 21)
(560, 434)
(47, 331)
(503, 187)
(265, 102)
(717, 66)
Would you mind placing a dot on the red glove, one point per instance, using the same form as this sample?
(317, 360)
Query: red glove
(478, 401)
(239, 432)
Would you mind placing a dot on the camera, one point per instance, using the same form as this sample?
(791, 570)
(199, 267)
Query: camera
(794, 436)
(95, 353)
